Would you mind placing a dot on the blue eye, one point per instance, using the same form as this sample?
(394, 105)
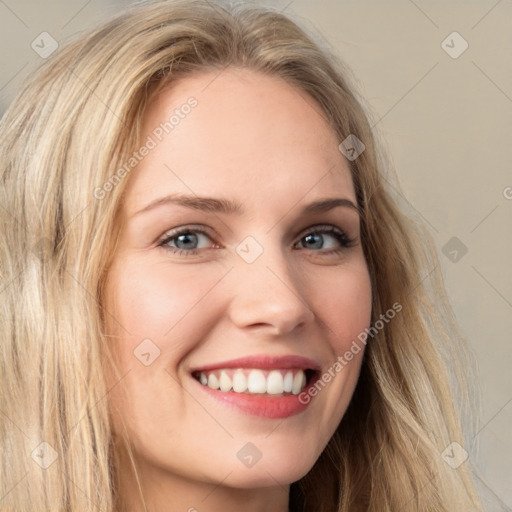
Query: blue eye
(338, 235)
(187, 238)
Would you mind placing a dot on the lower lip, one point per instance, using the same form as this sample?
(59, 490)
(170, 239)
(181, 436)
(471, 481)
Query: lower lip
(267, 407)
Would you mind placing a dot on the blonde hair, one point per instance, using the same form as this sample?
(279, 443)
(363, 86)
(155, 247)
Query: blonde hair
(71, 128)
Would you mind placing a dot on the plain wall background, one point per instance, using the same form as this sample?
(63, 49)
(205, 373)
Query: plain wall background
(448, 124)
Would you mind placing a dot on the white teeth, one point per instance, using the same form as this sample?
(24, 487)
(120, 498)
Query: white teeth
(288, 382)
(275, 383)
(213, 382)
(272, 382)
(297, 382)
(239, 382)
(256, 382)
(225, 382)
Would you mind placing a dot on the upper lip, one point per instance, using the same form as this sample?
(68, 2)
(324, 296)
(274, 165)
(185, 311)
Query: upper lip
(263, 362)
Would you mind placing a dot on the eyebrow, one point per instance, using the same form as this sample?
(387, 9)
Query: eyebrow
(226, 206)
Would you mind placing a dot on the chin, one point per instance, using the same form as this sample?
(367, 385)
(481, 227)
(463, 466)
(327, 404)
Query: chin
(267, 474)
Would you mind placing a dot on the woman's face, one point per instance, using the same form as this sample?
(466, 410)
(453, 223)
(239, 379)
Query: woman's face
(195, 285)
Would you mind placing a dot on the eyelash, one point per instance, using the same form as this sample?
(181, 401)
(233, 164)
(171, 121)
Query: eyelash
(339, 235)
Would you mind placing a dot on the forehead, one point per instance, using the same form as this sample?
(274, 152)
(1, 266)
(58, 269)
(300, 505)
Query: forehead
(249, 136)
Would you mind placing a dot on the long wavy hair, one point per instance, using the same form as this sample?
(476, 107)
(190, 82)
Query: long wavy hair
(69, 131)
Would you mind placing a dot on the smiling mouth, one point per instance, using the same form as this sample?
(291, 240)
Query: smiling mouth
(257, 381)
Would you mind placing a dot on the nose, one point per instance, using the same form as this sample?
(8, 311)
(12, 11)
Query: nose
(267, 295)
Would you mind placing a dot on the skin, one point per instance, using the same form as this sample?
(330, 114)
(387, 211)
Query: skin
(266, 144)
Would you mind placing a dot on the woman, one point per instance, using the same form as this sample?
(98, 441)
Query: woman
(263, 369)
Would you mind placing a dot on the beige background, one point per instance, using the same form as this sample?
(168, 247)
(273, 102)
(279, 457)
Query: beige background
(448, 124)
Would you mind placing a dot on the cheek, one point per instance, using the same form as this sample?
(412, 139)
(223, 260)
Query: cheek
(149, 301)
(347, 308)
